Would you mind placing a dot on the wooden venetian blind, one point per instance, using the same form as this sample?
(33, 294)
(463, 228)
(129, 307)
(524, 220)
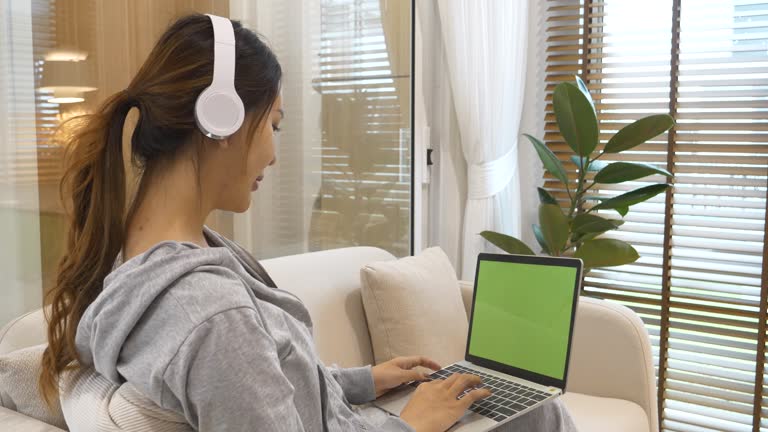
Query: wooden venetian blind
(700, 282)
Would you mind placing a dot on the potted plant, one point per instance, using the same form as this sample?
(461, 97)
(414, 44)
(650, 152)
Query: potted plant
(577, 231)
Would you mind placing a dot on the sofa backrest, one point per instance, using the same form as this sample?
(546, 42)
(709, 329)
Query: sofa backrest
(328, 283)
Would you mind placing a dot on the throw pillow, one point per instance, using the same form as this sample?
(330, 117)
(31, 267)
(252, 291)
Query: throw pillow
(19, 372)
(92, 403)
(414, 307)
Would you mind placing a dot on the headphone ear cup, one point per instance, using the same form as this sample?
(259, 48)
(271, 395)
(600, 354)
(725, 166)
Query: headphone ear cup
(219, 112)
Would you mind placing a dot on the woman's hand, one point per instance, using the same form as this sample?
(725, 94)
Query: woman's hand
(399, 370)
(434, 406)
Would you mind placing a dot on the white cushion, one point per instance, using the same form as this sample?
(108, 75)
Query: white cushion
(19, 372)
(12, 421)
(92, 403)
(598, 414)
(414, 307)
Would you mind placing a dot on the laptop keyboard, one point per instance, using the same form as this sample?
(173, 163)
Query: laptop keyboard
(508, 398)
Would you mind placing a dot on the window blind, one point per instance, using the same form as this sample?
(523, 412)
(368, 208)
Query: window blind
(28, 160)
(700, 284)
(48, 116)
(364, 79)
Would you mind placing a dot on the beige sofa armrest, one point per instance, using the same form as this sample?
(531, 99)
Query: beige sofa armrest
(25, 331)
(611, 354)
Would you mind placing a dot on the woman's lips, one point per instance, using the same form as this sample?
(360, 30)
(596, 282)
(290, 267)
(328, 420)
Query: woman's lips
(255, 184)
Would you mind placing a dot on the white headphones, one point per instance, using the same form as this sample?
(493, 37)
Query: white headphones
(219, 112)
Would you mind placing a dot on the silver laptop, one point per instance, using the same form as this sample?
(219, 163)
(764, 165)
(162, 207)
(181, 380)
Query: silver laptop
(519, 339)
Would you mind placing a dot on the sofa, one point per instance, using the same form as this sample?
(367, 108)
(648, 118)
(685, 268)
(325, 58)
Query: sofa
(611, 385)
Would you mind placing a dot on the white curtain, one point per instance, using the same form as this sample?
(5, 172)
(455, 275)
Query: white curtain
(20, 254)
(485, 47)
(531, 169)
(447, 189)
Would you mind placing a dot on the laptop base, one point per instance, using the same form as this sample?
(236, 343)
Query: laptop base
(395, 401)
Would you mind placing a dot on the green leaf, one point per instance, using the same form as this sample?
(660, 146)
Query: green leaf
(550, 161)
(619, 172)
(507, 243)
(545, 197)
(622, 202)
(576, 118)
(606, 253)
(584, 237)
(639, 132)
(540, 238)
(578, 237)
(589, 223)
(554, 227)
(585, 91)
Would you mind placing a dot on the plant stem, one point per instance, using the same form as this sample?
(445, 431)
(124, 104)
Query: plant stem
(573, 205)
(575, 201)
(587, 190)
(568, 190)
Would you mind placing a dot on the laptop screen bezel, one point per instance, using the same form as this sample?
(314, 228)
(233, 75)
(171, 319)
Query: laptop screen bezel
(511, 370)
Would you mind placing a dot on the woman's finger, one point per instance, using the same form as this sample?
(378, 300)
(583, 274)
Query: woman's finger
(463, 382)
(474, 396)
(414, 375)
(451, 379)
(429, 363)
(413, 361)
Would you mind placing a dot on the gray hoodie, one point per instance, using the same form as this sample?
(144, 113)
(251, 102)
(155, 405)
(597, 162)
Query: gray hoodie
(200, 332)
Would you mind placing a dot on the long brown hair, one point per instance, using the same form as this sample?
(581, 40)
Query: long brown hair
(93, 187)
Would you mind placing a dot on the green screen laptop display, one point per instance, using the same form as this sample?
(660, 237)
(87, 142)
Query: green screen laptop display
(522, 315)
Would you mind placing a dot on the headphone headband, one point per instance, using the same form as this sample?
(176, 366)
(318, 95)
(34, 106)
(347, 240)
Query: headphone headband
(223, 50)
(219, 111)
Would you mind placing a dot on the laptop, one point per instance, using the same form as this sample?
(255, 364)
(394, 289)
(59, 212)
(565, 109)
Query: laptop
(519, 341)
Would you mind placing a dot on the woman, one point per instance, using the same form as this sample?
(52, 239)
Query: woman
(147, 294)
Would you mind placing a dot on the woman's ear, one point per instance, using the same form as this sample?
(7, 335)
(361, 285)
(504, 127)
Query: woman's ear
(209, 143)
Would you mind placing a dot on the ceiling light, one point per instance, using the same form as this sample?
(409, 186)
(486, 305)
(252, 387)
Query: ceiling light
(67, 80)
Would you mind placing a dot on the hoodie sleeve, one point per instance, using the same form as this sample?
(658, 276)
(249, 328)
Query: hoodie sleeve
(356, 382)
(214, 378)
(395, 424)
(359, 388)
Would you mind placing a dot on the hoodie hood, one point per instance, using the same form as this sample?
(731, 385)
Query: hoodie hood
(128, 292)
(132, 288)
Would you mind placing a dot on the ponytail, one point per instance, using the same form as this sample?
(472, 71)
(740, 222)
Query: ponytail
(164, 90)
(93, 192)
